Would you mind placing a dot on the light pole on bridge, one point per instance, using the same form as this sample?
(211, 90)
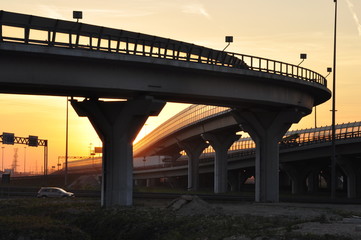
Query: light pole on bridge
(333, 158)
(229, 40)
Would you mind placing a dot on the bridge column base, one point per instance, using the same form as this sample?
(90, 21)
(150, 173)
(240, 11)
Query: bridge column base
(193, 149)
(220, 142)
(117, 124)
(266, 128)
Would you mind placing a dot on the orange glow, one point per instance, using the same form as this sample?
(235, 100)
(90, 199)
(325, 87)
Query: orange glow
(276, 29)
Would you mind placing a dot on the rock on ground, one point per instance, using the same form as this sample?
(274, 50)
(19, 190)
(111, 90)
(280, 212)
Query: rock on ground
(193, 205)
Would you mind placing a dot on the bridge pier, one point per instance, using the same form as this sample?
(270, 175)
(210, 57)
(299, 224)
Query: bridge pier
(351, 167)
(267, 128)
(234, 180)
(193, 149)
(221, 142)
(117, 124)
(313, 181)
(298, 173)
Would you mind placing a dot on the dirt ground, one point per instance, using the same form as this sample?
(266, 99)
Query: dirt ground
(319, 219)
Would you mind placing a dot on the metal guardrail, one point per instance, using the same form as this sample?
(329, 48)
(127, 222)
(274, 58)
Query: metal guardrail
(33, 30)
(323, 134)
(245, 147)
(299, 138)
(189, 116)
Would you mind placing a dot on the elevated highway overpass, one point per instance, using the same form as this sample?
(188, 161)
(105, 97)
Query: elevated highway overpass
(301, 151)
(61, 58)
(304, 158)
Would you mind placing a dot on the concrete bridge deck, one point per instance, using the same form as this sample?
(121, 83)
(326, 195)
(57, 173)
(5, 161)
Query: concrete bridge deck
(54, 57)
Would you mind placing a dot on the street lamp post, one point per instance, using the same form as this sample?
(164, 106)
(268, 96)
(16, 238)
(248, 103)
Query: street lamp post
(229, 40)
(303, 56)
(333, 158)
(66, 142)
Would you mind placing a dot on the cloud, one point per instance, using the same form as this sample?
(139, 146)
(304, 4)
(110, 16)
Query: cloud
(121, 13)
(354, 15)
(64, 13)
(195, 8)
(52, 12)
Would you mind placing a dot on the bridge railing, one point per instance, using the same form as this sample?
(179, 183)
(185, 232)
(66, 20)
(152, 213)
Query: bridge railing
(298, 138)
(323, 134)
(197, 113)
(190, 116)
(245, 147)
(27, 29)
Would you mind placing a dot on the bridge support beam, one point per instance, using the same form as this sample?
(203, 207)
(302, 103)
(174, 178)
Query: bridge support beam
(117, 124)
(221, 142)
(193, 149)
(267, 128)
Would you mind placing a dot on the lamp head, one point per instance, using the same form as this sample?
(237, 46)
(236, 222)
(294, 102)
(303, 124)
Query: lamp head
(77, 15)
(229, 39)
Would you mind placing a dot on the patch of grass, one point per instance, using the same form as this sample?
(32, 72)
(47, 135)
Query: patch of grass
(135, 223)
(35, 227)
(84, 219)
(39, 219)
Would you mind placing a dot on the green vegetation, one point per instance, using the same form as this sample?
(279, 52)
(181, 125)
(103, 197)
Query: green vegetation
(77, 218)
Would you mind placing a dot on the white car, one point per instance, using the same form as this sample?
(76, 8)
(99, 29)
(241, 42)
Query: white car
(53, 192)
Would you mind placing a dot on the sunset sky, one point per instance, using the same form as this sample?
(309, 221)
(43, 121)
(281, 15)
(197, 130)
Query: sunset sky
(275, 29)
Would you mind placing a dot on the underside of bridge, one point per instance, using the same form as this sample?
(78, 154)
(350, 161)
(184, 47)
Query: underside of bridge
(164, 70)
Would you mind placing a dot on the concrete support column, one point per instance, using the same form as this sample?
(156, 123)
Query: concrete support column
(193, 149)
(234, 179)
(351, 168)
(267, 128)
(313, 181)
(221, 142)
(117, 124)
(298, 174)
